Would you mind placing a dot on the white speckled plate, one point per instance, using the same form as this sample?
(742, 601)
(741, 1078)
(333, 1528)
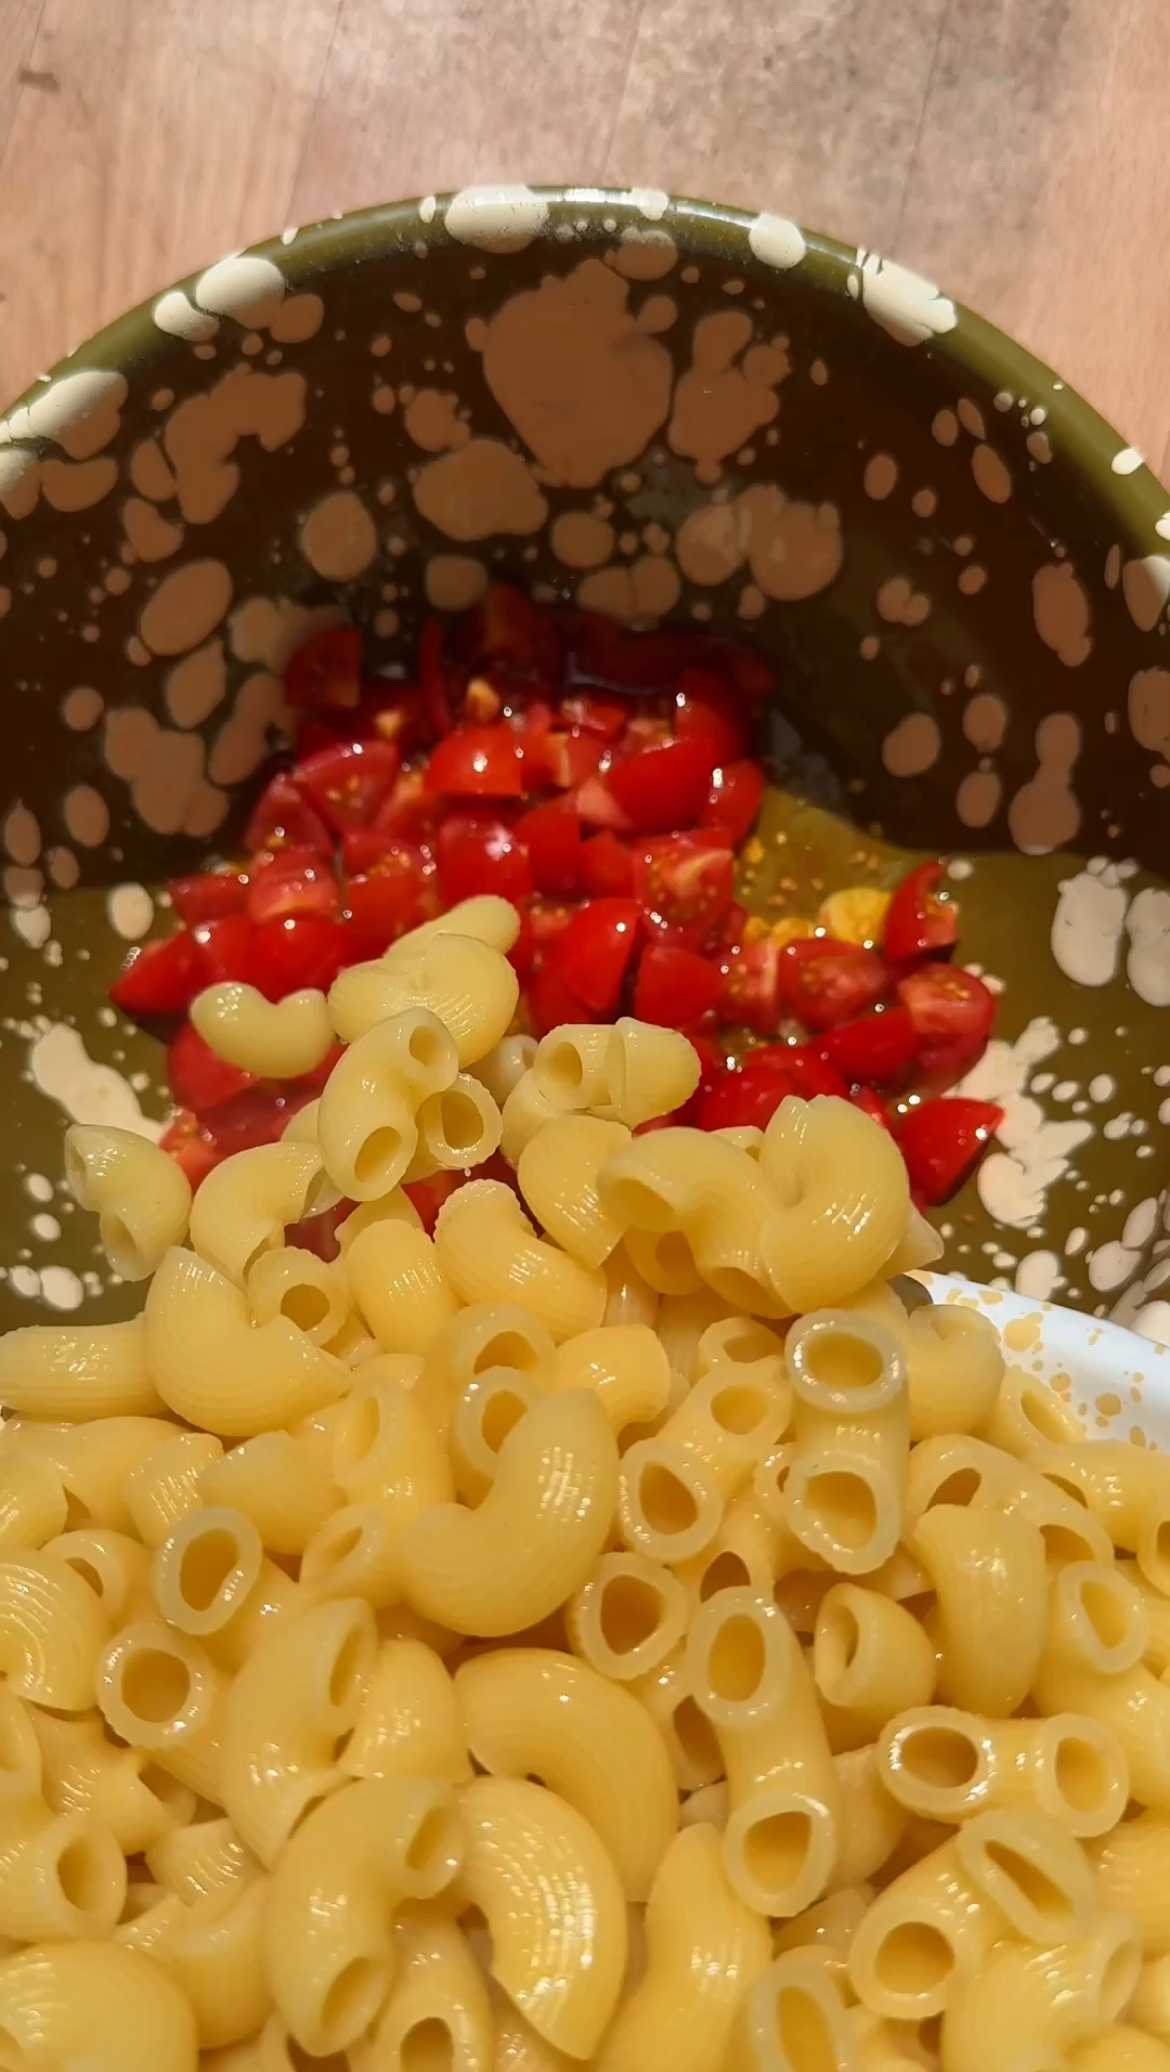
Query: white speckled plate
(1117, 1382)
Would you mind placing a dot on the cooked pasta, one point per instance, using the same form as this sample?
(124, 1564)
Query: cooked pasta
(614, 1630)
(276, 1039)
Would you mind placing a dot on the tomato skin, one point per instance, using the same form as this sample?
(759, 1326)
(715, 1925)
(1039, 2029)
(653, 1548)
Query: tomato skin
(363, 848)
(952, 1011)
(295, 881)
(326, 671)
(284, 818)
(197, 1078)
(552, 836)
(410, 812)
(675, 988)
(919, 920)
(706, 708)
(551, 1000)
(941, 1141)
(683, 884)
(663, 790)
(288, 956)
(225, 950)
(607, 867)
(598, 807)
(826, 982)
(475, 856)
(477, 762)
(209, 895)
(593, 954)
(594, 715)
(864, 1097)
(752, 992)
(192, 1150)
(161, 977)
(751, 1096)
(733, 801)
(348, 782)
(877, 1048)
(258, 1114)
(383, 903)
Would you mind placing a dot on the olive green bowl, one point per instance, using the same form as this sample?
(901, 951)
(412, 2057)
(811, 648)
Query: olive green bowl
(672, 412)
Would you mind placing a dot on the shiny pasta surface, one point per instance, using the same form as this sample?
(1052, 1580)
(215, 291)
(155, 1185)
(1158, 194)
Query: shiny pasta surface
(614, 1627)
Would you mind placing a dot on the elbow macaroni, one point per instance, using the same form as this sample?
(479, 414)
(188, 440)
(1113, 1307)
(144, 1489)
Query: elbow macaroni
(816, 1635)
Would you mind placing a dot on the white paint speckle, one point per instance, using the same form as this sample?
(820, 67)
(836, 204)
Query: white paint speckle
(1031, 1153)
(906, 306)
(61, 1288)
(1087, 928)
(86, 816)
(776, 242)
(1128, 461)
(1148, 962)
(338, 537)
(496, 219)
(130, 911)
(1037, 1276)
(88, 1092)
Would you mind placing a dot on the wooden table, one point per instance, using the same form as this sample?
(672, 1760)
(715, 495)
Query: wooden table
(1014, 150)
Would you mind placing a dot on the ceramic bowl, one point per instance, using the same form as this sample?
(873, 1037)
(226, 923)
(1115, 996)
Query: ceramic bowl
(673, 412)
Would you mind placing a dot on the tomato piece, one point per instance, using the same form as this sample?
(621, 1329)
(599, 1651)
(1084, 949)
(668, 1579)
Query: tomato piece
(941, 1141)
(383, 903)
(208, 895)
(552, 836)
(348, 782)
(920, 919)
(196, 1076)
(607, 867)
(524, 951)
(258, 1114)
(225, 951)
(864, 1097)
(551, 1000)
(477, 762)
(507, 627)
(593, 954)
(661, 790)
(161, 977)
(594, 715)
(294, 881)
(733, 801)
(362, 848)
(326, 671)
(312, 1083)
(432, 680)
(952, 1012)
(284, 818)
(192, 1150)
(411, 811)
(826, 982)
(475, 856)
(878, 1048)
(809, 1073)
(548, 919)
(287, 956)
(747, 1099)
(596, 803)
(683, 885)
(675, 988)
(707, 708)
(752, 991)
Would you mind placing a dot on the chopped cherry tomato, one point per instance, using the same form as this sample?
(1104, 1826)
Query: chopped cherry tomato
(675, 988)
(477, 762)
(952, 1012)
(747, 1099)
(225, 951)
(940, 1142)
(920, 919)
(197, 1077)
(327, 671)
(208, 896)
(607, 867)
(662, 790)
(475, 856)
(548, 919)
(189, 1146)
(706, 708)
(594, 952)
(734, 799)
(523, 953)
(287, 956)
(751, 987)
(552, 835)
(596, 803)
(878, 1048)
(683, 885)
(348, 783)
(809, 1073)
(604, 716)
(826, 982)
(294, 881)
(161, 977)
(383, 903)
(259, 1114)
(362, 848)
(864, 1097)
(411, 811)
(551, 1001)
(284, 818)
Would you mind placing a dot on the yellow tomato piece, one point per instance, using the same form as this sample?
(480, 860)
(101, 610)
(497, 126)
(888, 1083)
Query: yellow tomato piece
(856, 915)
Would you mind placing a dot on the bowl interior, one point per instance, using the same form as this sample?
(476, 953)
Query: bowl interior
(676, 414)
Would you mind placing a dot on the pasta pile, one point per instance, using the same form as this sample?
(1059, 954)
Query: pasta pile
(615, 1631)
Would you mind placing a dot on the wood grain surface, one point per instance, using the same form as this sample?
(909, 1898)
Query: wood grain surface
(1011, 149)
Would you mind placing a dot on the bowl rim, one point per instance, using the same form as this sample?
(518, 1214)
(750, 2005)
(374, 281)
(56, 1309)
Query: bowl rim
(578, 217)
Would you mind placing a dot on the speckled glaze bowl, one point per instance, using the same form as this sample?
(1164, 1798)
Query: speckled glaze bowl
(666, 410)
